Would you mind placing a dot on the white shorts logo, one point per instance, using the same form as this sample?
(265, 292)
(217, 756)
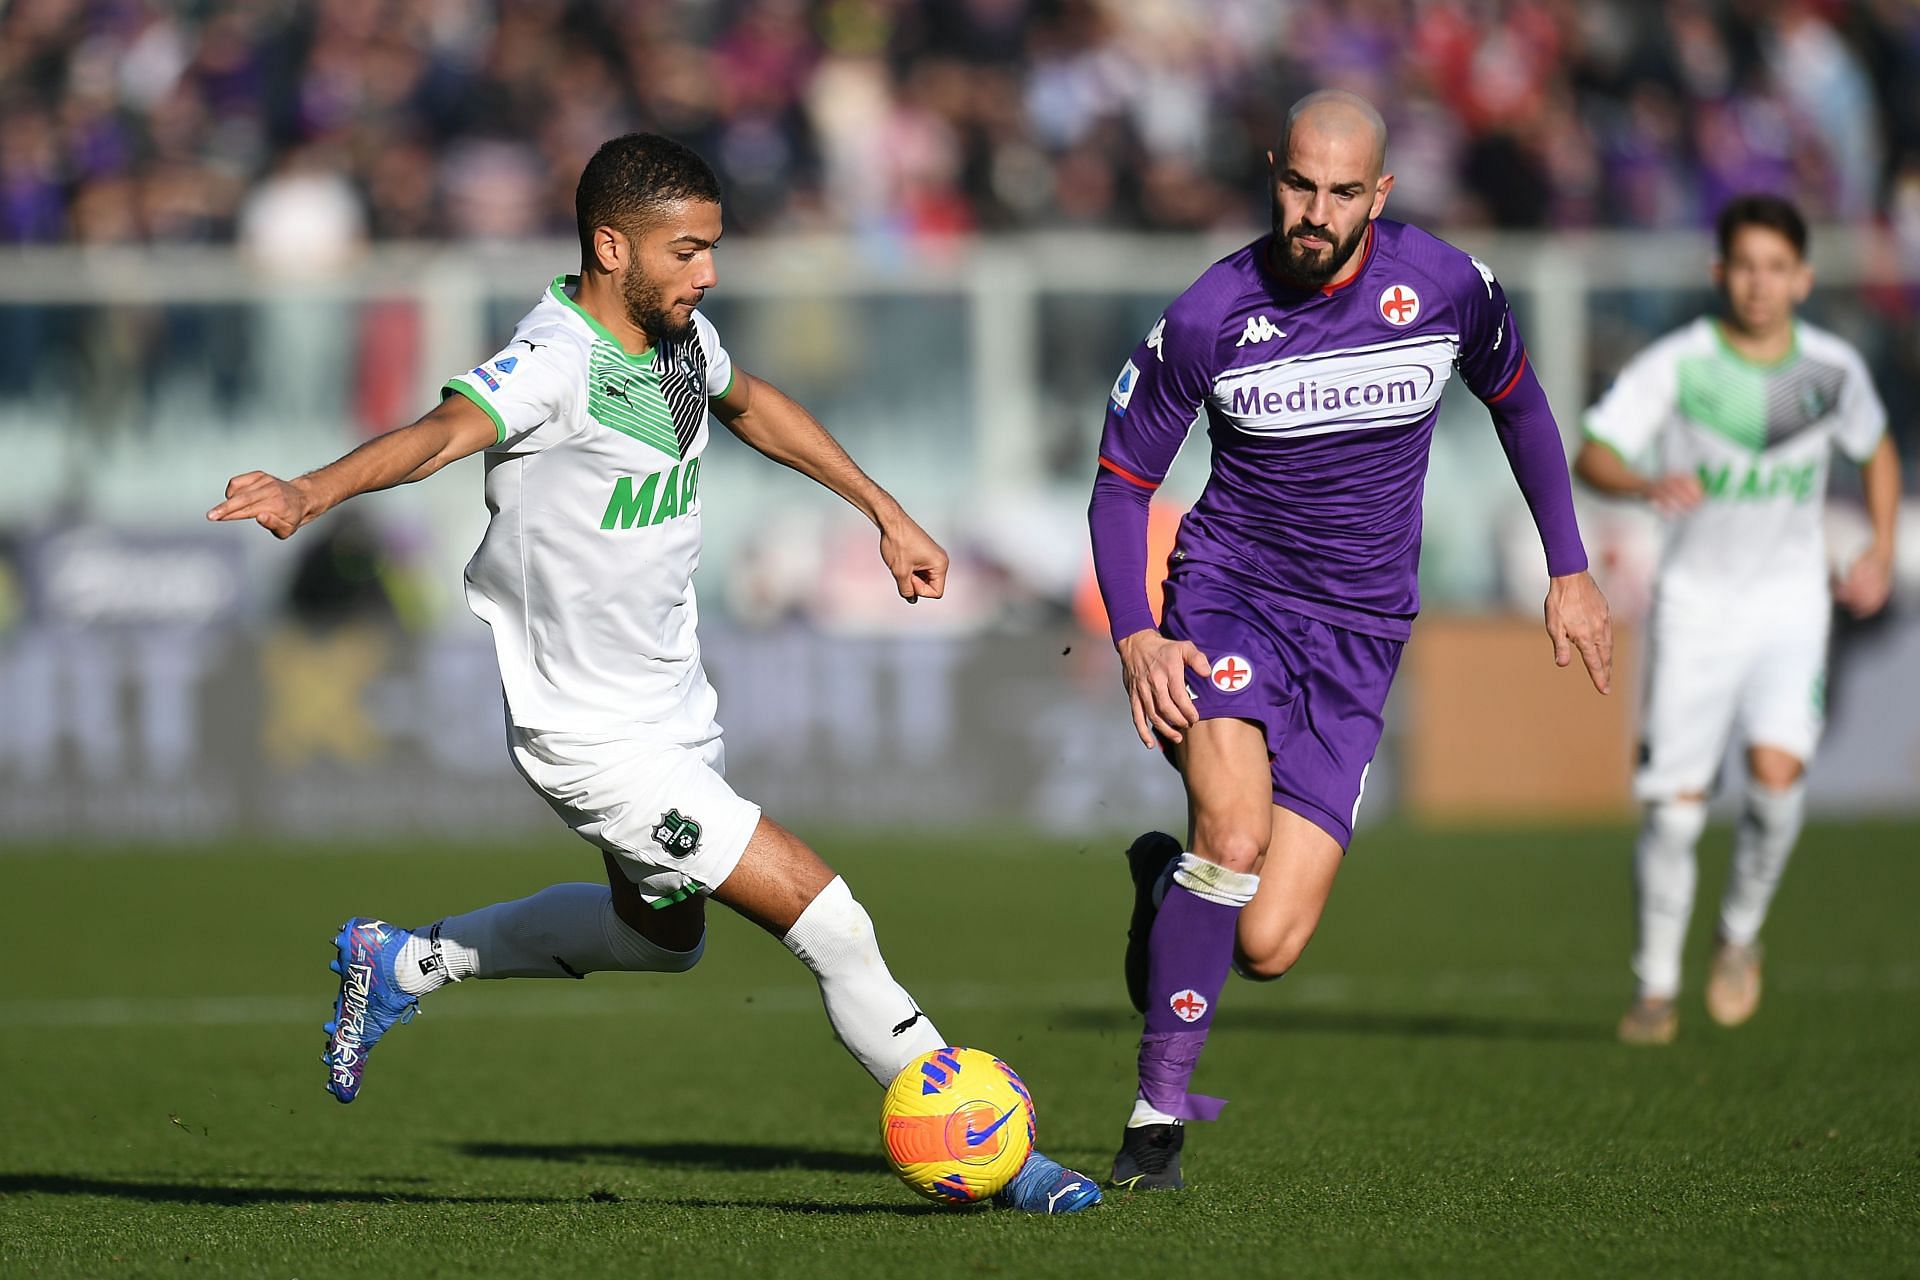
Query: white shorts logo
(1232, 673)
(1188, 1005)
(1399, 305)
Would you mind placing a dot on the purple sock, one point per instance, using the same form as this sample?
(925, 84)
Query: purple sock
(1187, 957)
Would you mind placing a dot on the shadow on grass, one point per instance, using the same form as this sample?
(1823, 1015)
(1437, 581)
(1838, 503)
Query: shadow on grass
(60, 1184)
(807, 1208)
(735, 1157)
(1351, 1022)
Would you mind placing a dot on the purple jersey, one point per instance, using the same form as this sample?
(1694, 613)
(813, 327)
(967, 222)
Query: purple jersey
(1320, 406)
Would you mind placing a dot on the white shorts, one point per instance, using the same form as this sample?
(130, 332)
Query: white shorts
(1708, 677)
(661, 808)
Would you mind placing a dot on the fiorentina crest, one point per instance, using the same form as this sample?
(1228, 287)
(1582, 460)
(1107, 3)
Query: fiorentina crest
(677, 835)
(1188, 1005)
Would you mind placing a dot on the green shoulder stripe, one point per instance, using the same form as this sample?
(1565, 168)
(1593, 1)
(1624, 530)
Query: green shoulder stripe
(499, 424)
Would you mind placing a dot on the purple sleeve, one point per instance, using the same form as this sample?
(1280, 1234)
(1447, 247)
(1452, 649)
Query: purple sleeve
(1531, 438)
(1491, 356)
(1117, 518)
(1160, 388)
(1149, 411)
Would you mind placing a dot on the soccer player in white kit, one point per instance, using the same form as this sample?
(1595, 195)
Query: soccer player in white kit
(1733, 419)
(594, 422)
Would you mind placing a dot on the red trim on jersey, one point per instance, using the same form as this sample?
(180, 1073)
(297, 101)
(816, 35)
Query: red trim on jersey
(1511, 382)
(1127, 475)
(1366, 251)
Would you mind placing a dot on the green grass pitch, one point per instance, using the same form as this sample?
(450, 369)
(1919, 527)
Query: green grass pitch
(1435, 1091)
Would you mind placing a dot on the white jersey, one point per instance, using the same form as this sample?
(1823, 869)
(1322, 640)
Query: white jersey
(1758, 437)
(585, 574)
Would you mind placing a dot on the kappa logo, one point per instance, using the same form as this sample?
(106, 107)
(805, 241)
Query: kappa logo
(679, 836)
(1260, 329)
(1188, 1005)
(1399, 305)
(1156, 336)
(1486, 272)
(1232, 673)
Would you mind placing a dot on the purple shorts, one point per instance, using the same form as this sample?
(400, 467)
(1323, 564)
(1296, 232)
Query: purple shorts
(1318, 690)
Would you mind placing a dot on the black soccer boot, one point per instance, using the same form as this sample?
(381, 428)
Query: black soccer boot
(1147, 860)
(1149, 1158)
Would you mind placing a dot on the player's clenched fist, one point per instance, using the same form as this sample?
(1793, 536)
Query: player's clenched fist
(278, 506)
(1675, 494)
(917, 562)
(1868, 582)
(1155, 671)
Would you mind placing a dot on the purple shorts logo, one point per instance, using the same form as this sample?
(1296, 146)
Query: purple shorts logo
(1232, 673)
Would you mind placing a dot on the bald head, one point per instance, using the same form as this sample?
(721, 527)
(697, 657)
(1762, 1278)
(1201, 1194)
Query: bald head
(1338, 119)
(1328, 185)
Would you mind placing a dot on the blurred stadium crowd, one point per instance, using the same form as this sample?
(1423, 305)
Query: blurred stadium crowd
(268, 122)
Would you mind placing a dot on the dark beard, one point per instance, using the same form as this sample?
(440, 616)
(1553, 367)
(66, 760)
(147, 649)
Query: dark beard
(647, 308)
(1297, 266)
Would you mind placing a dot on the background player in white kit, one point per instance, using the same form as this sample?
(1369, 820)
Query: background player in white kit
(594, 420)
(1735, 418)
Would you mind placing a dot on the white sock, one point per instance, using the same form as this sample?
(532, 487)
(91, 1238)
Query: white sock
(1769, 828)
(1144, 1114)
(1663, 879)
(564, 931)
(1213, 882)
(872, 1015)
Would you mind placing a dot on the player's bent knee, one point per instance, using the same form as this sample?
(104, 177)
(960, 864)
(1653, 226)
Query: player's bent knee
(1776, 771)
(777, 880)
(1233, 846)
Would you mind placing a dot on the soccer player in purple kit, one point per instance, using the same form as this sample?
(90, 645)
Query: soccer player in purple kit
(1318, 354)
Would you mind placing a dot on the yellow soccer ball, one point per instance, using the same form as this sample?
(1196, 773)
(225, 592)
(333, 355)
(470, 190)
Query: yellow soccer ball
(957, 1124)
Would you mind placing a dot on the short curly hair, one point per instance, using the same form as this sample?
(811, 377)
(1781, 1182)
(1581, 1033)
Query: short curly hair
(631, 178)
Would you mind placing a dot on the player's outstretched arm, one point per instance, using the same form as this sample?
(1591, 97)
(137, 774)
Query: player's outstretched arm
(1576, 613)
(1605, 471)
(457, 428)
(777, 426)
(1868, 582)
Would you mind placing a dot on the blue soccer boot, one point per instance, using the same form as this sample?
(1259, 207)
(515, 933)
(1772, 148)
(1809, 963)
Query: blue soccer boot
(1044, 1185)
(370, 1000)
